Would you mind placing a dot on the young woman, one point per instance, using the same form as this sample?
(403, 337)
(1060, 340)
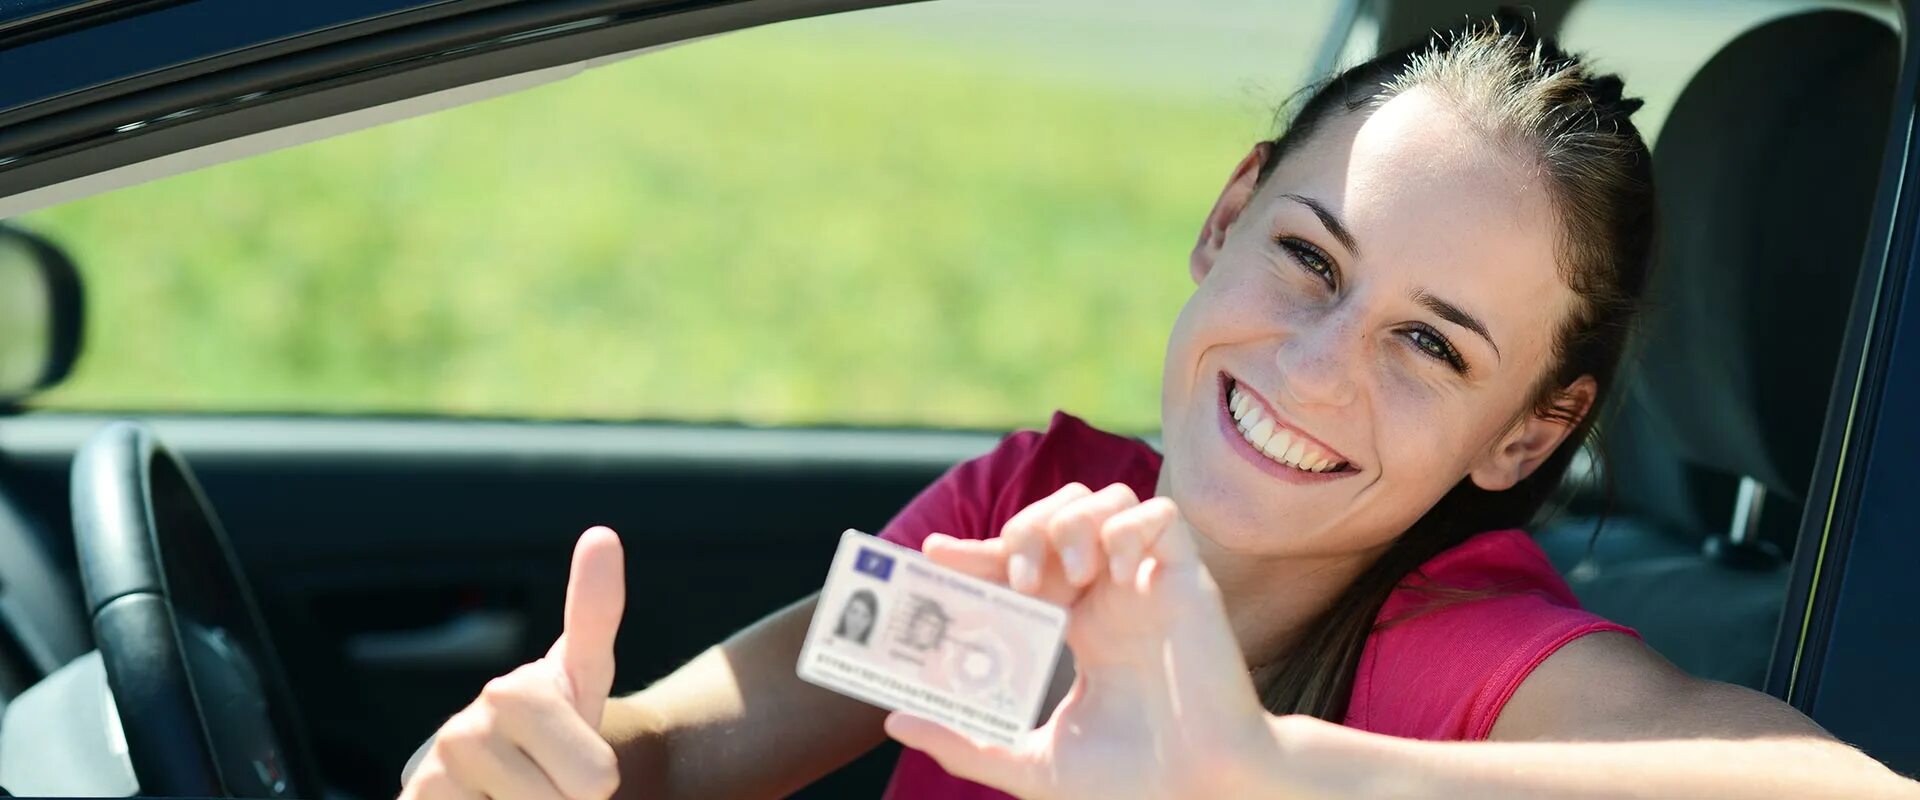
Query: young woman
(1407, 306)
(856, 620)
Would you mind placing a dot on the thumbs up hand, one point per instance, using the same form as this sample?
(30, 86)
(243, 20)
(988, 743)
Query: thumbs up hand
(534, 733)
(596, 597)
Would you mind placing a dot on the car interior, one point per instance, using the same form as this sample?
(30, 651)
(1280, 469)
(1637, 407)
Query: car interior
(1766, 169)
(401, 562)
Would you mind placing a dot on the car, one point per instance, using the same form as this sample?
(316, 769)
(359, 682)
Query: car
(269, 601)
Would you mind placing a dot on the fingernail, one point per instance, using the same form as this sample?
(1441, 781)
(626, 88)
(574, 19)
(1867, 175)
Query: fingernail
(1020, 572)
(1075, 560)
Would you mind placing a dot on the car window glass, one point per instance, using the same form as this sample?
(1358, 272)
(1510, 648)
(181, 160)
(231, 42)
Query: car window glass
(953, 214)
(964, 213)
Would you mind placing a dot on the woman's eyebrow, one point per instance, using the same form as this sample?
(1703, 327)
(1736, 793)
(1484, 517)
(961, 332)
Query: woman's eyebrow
(1329, 219)
(1453, 314)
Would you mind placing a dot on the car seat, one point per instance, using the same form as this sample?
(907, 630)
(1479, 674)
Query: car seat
(1765, 172)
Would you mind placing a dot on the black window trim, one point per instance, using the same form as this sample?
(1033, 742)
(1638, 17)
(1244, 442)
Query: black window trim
(350, 73)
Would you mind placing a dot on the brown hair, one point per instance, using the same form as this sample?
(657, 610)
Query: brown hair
(1530, 95)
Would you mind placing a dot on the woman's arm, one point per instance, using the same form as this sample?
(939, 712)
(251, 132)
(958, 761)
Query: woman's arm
(1605, 716)
(737, 722)
(1162, 705)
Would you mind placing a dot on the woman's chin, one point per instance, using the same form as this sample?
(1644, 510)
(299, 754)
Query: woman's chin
(1240, 534)
(1214, 494)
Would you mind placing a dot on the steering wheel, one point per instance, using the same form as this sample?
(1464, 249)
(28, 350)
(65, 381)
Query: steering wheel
(201, 697)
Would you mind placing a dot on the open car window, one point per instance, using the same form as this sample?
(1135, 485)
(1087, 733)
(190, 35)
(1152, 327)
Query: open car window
(963, 213)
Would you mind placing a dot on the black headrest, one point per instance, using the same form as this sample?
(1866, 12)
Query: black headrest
(1766, 171)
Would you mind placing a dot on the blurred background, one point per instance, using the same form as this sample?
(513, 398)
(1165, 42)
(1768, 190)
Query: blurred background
(963, 214)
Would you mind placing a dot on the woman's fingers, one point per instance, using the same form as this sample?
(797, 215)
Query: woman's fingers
(1074, 530)
(1128, 536)
(433, 782)
(569, 752)
(964, 758)
(494, 766)
(489, 763)
(1174, 546)
(1156, 561)
(1059, 545)
(1052, 549)
(985, 559)
(523, 726)
(1026, 537)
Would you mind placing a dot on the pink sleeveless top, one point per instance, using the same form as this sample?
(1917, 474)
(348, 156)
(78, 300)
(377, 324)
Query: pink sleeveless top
(1440, 674)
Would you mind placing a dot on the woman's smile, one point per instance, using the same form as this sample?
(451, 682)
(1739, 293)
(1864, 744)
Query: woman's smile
(1256, 432)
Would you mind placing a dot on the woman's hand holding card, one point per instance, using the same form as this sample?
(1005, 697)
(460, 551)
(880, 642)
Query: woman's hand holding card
(1161, 705)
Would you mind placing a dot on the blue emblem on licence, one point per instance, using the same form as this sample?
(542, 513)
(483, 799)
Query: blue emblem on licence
(878, 565)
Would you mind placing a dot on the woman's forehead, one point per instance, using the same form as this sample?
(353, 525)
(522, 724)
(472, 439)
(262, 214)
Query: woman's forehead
(1416, 152)
(1433, 203)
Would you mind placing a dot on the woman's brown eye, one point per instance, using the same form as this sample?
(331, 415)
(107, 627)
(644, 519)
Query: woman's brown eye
(1309, 258)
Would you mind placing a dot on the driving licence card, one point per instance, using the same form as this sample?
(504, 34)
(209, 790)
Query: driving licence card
(898, 631)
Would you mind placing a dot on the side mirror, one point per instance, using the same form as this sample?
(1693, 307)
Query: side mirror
(40, 314)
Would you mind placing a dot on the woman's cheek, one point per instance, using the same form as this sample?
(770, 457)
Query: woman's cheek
(1184, 346)
(1417, 383)
(1219, 313)
(1421, 427)
(1406, 407)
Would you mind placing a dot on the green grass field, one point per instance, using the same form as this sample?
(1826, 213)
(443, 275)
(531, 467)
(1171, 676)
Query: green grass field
(810, 223)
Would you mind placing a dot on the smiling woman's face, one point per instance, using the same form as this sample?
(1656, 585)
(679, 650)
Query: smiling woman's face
(1369, 327)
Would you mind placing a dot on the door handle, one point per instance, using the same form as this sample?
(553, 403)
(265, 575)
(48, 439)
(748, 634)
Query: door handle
(476, 638)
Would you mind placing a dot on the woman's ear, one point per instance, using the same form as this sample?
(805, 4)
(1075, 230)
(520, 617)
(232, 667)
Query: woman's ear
(1534, 439)
(1233, 200)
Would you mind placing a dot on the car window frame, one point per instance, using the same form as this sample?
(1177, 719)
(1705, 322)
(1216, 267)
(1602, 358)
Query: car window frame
(1839, 658)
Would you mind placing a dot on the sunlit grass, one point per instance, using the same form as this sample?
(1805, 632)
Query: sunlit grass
(800, 224)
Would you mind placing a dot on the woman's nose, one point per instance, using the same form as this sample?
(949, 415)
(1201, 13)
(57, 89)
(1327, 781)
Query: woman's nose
(1317, 364)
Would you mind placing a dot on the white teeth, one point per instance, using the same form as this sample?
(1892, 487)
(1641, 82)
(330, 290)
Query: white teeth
(1261, 431)
(1267, 437)
(1295, 453)
(1277, 446)
(1250, 414)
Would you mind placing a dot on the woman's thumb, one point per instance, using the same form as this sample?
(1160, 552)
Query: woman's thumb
(596, 597)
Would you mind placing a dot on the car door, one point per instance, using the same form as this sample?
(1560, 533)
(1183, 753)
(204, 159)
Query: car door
(1847, 646)
(730, 299)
